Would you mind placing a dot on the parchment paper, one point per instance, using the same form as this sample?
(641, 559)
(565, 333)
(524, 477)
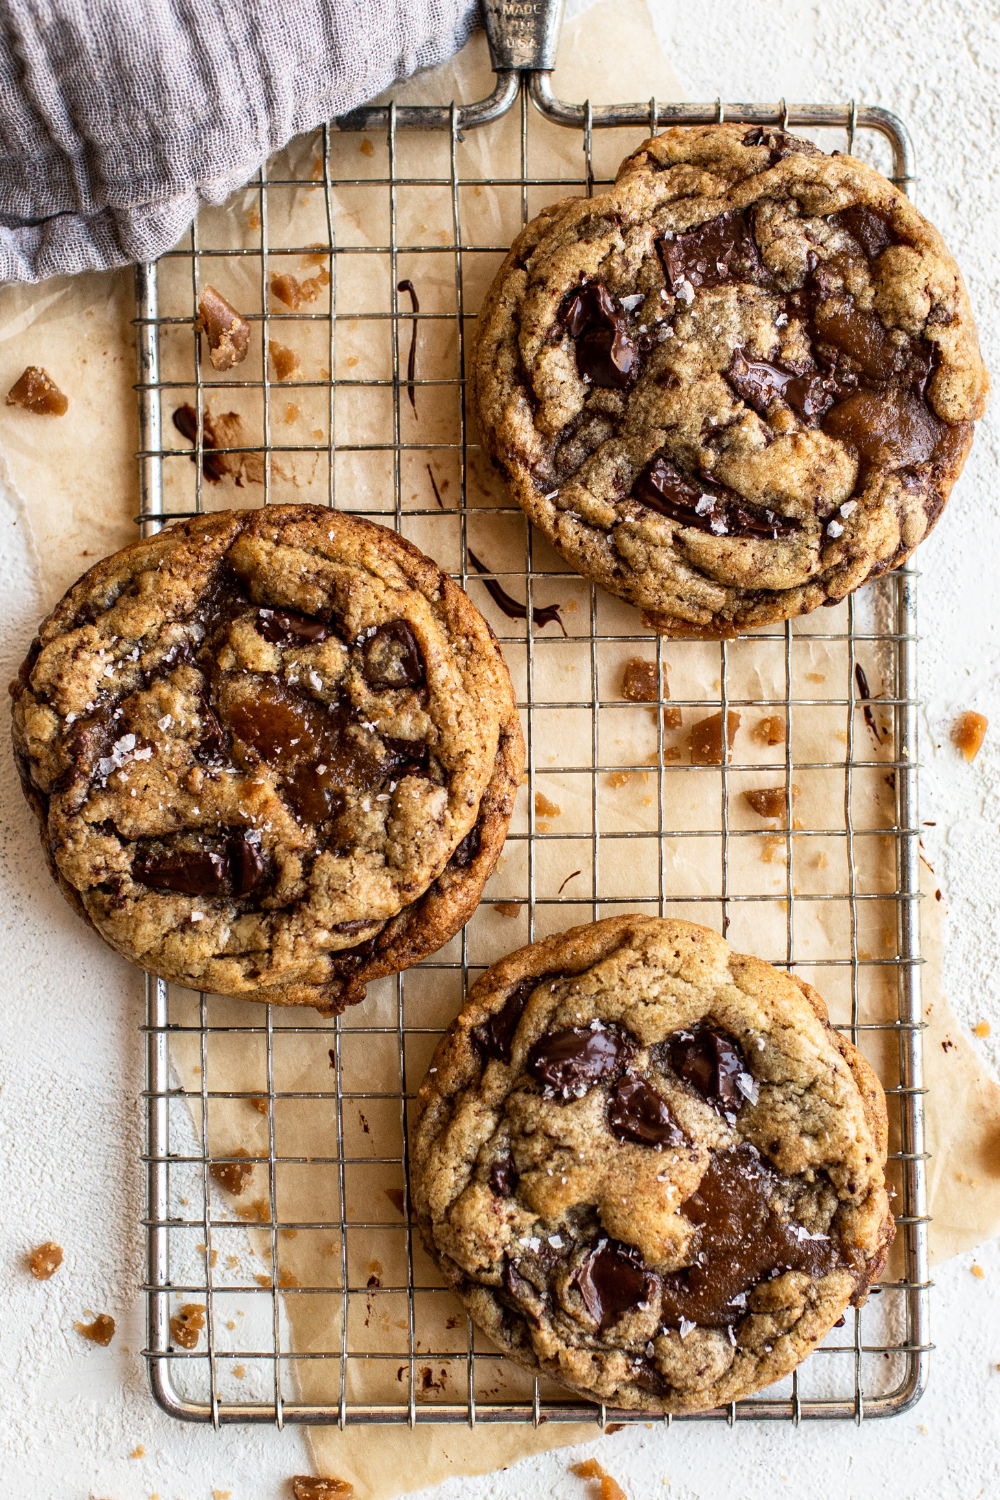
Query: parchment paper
(78, 480)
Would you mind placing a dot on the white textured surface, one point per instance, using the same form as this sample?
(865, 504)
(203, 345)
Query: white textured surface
(72, 1067)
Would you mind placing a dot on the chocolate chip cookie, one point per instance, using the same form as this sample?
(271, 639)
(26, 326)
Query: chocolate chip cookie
(735, 386)
(649, 1167)
(273, 753)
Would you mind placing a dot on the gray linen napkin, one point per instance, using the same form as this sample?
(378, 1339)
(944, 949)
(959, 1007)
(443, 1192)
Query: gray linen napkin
(118, 118)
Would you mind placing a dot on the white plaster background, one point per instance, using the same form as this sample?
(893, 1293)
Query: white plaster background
(71, 1067)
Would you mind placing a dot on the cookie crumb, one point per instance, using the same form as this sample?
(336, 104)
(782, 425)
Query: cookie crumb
(45, 1260)
(969, 733)
(100, 1331)
(36, 391)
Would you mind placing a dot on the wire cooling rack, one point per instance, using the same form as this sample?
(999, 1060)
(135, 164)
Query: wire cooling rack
(622, 816)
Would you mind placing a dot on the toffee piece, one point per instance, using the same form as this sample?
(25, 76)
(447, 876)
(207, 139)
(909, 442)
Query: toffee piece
(273, 753)
(735, 386)
(649, 1167)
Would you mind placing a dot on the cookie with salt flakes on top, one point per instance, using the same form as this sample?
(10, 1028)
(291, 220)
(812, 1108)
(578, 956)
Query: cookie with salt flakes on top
(736, 385)
(273, 753)
(649, 1167)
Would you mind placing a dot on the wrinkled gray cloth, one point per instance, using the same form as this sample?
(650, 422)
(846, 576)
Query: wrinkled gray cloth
(118, 118)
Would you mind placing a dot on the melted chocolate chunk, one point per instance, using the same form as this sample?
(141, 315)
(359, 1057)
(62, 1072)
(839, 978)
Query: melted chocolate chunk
(662, 488)
(212, 745)
(742, 1241)
(722, 250)
(503, 1177)
(541, 614)
(758, 382)
(890, 429)
(870, 228)
(605, 353)
(779, 144)
(406, 757)
(710, 1061)
(317, 751)
(467, 850)
(495, 1037)
(215, 466)
(636, 1112)
(570, 1062)
(613, 1281)
(192, 872)
(861, 335)
(247, 864)
(285, 627)
(392, 658)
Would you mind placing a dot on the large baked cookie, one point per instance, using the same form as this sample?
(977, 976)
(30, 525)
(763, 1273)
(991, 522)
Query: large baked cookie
(273, 753)
(735, 386)
(649, 1167)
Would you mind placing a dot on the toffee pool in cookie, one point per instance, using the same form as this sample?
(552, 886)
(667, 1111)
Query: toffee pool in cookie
(649, 1167)
(735, 386)
(273, 753)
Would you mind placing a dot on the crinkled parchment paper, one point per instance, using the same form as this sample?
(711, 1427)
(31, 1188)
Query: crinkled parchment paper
(78, 482)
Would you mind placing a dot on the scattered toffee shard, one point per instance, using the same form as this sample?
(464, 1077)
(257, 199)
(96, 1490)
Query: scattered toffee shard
(101, 1331)
(214, 466)
(541, 614)
(411, 360)
(503, 1177)
(570, 1062)
(285, 627)
(495, 1037)
(710, 1061)
(227, 332)
(192, 872)
(758, 382)
(36, 391)
(392, 658)
(636, 1112)
(705, 739)
(614, 1281)
(742, 1241)
(605, 354)
(870, 228)
(664, 489)
(722, 250)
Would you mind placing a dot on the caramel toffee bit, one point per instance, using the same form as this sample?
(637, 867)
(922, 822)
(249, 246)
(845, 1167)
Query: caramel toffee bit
(234, 1175)
(706, 739)
(304, 1487)
(648, 1166)
(228, 333)
(36, 391)
(411, 359)
(589, 1468)
(639, 681)
(286, 362)
(735, 385)
(970, 731)
(769, 801)
(542, 615)
(544, 808)
(100, 1331)
(269, 780)
(259, 1104)
(769, 731)
(186, 1325)
(45, 1260)
(287, 290)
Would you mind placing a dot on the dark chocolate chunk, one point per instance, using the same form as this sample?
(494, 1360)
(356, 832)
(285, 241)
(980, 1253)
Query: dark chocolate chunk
(743, 1240)
(605, 353)
(662, 488)
(193, 872)
(286, 627)
(503, 1177)
(247, 864)
(467, 850)
(758, 382)
(870, 228)
(570, 1062)
(590, 307)
(861, 335)
(613, 1281)
(636, 1112)
(392, 657)
(890, 429)
(722, 250)
(709, 1060)
(495, 1037)
(212, 745)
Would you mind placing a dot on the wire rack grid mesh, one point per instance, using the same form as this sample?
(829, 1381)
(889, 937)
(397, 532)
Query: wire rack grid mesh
(647, 824)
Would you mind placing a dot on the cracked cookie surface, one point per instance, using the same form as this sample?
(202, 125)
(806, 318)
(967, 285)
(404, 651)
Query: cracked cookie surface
(273, 753)
(648, 1165)
(736, 385)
